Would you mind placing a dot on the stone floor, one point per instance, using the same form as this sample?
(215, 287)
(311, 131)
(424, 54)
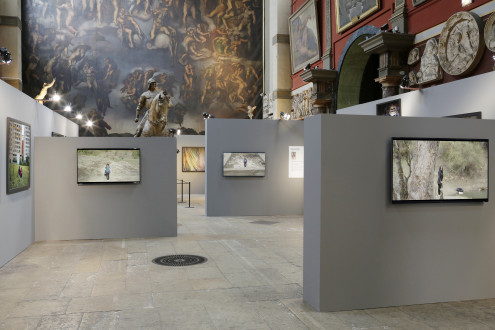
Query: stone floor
(252, 280)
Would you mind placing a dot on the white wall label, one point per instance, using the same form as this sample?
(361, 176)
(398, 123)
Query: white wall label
(296, 161)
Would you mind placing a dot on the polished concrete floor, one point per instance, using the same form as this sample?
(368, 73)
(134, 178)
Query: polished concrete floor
(252, 280)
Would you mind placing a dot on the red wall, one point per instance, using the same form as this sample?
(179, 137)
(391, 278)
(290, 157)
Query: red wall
(421, 18)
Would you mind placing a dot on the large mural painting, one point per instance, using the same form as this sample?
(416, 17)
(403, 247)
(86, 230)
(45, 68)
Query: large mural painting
(100, 54)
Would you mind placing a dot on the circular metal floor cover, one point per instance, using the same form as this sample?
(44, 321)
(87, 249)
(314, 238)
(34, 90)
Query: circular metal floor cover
(179, 260)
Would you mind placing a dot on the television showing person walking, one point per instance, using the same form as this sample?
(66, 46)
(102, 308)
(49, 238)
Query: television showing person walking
(101, 166)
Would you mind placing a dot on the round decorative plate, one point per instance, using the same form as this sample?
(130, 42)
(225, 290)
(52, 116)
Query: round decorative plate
(490, 33)
(461, 45)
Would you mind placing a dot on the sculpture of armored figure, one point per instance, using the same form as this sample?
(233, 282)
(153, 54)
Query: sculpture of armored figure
(145, 102)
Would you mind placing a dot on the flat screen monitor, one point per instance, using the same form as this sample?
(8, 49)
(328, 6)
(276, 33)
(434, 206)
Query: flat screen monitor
(245, 164)
(439, 170)
(108, 166)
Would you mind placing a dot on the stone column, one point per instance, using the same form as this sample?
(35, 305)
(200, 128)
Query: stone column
(323, 89)
(10, 38)
(392, 49)
(277, 70)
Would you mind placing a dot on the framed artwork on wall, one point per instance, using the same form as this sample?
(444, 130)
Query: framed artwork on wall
(469, 115)
(391, 109)
(18, 156)
(304, 36)
(193, 159)
(349, 12)
(54, 134)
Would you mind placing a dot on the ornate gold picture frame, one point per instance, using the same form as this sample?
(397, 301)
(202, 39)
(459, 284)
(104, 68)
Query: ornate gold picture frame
(350, 12)
(304, 36)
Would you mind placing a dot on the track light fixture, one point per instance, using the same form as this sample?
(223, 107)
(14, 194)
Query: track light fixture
(5, 56)
(207, 115)
(404, 84)
(284, 116)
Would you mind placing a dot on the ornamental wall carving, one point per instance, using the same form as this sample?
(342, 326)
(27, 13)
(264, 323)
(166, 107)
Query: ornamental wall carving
(430, 69)
(461, 45)
(302, 104)
(490, 33)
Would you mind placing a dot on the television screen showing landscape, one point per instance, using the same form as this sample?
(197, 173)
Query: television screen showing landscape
(439, 170)
(244, 164)
(193, 159)
(101, 166)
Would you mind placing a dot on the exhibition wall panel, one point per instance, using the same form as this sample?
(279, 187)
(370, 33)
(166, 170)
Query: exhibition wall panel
(274, 193)
(16, 210)
(65, 210)
(362, 251)
(467, 95)
(197, 179)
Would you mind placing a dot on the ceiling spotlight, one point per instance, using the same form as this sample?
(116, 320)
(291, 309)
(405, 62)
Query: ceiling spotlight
(79, 116)
(178, 131)
(56, 98)
(68, 108)
(5, 56)
(284, 116)
(89, 123)
(207, 115)
(172, 131)
(308, 67)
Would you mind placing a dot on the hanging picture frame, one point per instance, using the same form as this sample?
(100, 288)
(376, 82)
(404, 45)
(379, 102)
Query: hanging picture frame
(349, 13)
(304, 36)
(18, 156)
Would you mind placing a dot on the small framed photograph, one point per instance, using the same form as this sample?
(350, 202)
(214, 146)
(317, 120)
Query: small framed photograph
(304, 36)
(18, 156)
(391, 109)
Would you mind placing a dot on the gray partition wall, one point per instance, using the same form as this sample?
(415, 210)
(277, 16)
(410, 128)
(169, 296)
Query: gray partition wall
(468, 95)
(16, 210)
(273, 194)
(362, 251)
(65, 210)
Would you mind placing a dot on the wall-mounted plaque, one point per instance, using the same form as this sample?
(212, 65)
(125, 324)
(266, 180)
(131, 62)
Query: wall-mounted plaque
(461, 46)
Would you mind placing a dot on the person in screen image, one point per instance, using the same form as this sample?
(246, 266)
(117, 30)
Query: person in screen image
(245, 161)
(107, 171)
(440, 181)
(19, 172)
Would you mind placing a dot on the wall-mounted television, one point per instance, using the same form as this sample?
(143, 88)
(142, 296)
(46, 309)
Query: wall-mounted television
(108, 165)
(244, 164)
(439, 170)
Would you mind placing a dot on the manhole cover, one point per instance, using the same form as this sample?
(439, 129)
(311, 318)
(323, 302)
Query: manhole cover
(179, 260)
(264, 222)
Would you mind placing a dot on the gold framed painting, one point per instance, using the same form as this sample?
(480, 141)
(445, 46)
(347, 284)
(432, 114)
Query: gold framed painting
(193, 159)
(304, 36)
(350, 12)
